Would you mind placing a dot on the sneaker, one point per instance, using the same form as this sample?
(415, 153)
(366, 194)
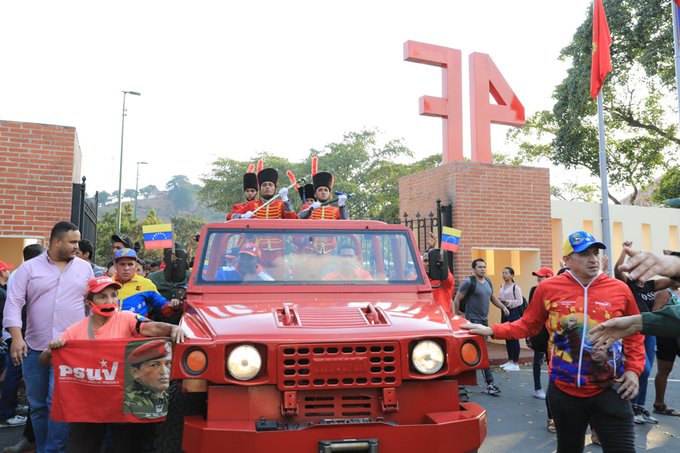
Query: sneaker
(505, 364)
(22, 446)
(540, 394)
(17, 420)
(638, 420)
(551, 425)
(512, 367)
(647, 417)
(22, 409)
(491, 389)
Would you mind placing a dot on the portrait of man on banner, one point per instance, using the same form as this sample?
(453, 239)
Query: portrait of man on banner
(147, 378)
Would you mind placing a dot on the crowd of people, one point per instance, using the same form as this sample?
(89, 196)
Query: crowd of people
(599, 334)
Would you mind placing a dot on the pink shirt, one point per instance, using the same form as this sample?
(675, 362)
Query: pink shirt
(506, 294)
(122, 325)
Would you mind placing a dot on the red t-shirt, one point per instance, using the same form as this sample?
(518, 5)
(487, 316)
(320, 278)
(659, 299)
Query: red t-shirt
(122, 325)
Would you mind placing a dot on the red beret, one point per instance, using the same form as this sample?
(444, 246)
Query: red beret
(154, 349)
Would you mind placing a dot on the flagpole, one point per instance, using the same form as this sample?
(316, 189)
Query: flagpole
(674, 8)
(606, 237)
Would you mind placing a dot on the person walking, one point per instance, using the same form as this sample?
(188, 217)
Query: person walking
(510, 295)
(477, 292)
(588, 384)
(52, 283)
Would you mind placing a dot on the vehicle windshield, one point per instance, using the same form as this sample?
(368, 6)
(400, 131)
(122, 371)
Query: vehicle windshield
(316, 257)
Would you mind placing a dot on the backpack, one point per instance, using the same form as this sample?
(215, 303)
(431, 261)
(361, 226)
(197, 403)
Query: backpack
(539, 342)
(470, 292)
(524, 302)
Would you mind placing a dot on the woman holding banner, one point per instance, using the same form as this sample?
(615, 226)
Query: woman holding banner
(105, 322)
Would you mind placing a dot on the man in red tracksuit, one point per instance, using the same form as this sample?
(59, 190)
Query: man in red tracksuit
(587, 385)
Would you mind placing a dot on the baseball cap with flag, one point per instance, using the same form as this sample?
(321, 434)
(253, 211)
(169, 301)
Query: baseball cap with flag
(125, 253)
(249, 248)
(97, 284)
(579, 241)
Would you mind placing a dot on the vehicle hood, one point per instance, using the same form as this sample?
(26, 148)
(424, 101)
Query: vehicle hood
(319, 319)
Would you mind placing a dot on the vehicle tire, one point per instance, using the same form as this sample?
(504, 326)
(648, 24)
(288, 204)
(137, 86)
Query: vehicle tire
(168, 435)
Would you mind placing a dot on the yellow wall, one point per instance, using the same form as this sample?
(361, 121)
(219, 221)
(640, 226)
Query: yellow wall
(649, 228)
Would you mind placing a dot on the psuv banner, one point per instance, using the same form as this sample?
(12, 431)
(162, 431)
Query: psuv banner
(112, 381)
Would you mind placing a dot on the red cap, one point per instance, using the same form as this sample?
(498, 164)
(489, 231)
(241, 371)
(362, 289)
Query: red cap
(5, 267)
(97, 284)
(249, 249)
(544, 272)
(154, 349)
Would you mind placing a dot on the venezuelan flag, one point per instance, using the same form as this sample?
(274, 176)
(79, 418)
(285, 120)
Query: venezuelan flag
(450, 239)
(158, 236)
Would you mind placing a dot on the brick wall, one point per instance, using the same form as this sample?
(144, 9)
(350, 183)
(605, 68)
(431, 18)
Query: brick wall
(496, 206)
(38, 165)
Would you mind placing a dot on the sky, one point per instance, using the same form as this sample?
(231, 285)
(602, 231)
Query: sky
(231, 79)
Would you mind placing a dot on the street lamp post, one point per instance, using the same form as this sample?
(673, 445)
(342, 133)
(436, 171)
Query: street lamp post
(137, 186)
(120, 173)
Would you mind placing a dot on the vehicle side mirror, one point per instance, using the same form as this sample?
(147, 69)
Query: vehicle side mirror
(438, 269)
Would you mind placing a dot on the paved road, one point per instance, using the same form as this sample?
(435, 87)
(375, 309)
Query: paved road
(517, 421)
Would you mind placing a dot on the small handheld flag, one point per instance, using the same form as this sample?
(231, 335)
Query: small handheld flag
(450, 239)
(158, 236)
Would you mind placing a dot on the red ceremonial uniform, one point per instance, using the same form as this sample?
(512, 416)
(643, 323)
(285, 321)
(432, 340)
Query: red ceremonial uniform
(271, 247)
(326, 244)
(235, 208)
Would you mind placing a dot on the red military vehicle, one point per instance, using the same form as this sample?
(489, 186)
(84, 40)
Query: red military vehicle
(313, 336)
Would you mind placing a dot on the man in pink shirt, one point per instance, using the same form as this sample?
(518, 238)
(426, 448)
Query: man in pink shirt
(51, 286)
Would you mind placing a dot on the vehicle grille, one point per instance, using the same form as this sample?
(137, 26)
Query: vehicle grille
(338, 365)
(330, 406)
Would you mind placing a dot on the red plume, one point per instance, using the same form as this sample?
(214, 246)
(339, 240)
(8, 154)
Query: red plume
(251, 168)
(260, 165)
(293, 179)
(315, 164)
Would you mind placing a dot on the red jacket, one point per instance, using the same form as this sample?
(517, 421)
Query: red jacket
(444, 293)
(275, 210)
(569, 310)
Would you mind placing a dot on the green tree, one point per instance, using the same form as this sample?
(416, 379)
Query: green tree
(145, 192)
(185, 228)
(103, 198)
(361, 167)
(181, 192)
(669, 186)
(129, 194)
(640, 132)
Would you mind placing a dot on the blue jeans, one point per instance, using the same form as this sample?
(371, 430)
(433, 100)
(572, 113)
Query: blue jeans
(50, 436)
(650, 347)
(8, 400)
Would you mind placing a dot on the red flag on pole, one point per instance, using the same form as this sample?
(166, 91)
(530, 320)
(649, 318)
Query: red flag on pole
(602, 39)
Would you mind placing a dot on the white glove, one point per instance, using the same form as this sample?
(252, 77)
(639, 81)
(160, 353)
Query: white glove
(247, 215)
(235, 216)
(315, 205)
(284, 193)
(342, 200)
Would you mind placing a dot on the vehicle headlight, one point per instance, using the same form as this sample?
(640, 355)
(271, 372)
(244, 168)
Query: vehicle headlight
(427, 357)
(244, 362)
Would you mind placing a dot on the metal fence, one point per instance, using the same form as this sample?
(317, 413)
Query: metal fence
(434, 221)
(84, 212)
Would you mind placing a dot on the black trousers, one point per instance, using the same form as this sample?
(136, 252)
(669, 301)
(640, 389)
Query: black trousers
(127, 437)
(607, 413)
